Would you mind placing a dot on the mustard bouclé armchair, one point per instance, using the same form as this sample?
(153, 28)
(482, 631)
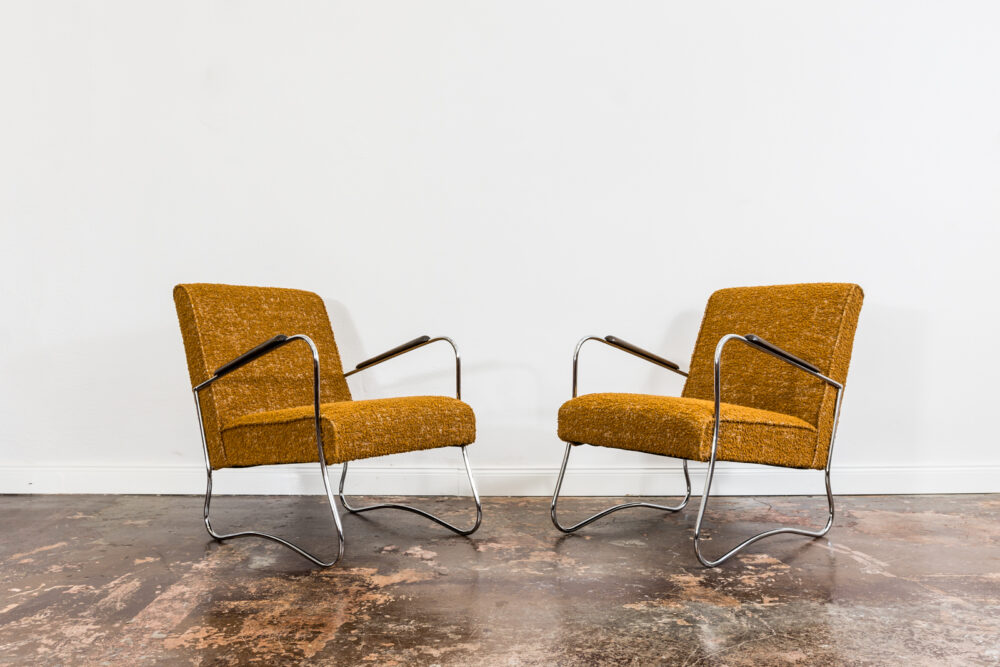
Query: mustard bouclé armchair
(774, 401)
(269, 388)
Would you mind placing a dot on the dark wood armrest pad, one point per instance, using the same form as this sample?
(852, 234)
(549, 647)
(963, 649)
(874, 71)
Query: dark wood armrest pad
(634, 349)
(250, 355)
(393, 352)
(774, 349)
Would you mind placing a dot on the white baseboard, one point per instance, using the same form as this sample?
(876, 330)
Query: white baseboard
(496, 481)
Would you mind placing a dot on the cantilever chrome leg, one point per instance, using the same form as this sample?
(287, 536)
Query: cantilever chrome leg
(711, 471)
(570, 529)
(275, 538)
(747, 542)
(252, 533)
(428, 515)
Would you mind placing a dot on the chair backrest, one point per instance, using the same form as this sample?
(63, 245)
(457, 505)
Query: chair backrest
(815, 322)
(221, 322)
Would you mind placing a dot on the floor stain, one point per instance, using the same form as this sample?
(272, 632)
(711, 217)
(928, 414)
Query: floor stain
(134, 580)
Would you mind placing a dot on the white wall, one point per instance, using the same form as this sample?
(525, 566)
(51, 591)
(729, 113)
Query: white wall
(514, 174)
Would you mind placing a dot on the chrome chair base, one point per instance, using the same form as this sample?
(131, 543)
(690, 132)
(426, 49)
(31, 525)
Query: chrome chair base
(415, 510)
(283, 340)
(758, 344)
(767, 533)
(274, 538)
(615, 508)
(336, 516)
(698, 539)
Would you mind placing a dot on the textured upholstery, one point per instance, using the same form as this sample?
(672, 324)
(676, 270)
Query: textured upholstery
(247, 413)
(351, 430)
(815, 322)
(682, 428)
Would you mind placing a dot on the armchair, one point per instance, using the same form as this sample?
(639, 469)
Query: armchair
(782, 408)
(266, 406)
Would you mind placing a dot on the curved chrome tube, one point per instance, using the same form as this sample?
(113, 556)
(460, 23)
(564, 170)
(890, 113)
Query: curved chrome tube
(570, 445)
(322, 465)
(715, 445)
(615, 508)
(576, 358)
(458, 362)
(415, 510)
(465, 454)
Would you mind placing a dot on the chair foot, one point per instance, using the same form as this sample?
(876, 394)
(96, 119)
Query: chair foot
(768, 533)
(570, 529)
(415, 510)
(274, 538)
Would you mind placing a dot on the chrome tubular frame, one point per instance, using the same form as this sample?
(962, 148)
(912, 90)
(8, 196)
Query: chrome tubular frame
(465, 454)
(458, 362)
(416, 510)
(576, 358)
(570, 445)
(322, 465)
(715, 444)
(613, 508)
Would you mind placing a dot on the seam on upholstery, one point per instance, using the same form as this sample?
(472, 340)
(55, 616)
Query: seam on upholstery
(711, 417)
(333, 336)
(204, 364)
(235, 423)
(197, 332)
(289, 419)
(283, 420)
(705, 444)
(806, 427)
(324, 422)
(836, 346)
(840, 329)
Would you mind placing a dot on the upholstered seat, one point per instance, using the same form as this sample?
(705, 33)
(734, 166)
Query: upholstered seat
(351, 430)
(682, 428)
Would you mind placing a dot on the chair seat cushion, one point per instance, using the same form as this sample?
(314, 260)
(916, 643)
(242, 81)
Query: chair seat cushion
(682, 428)
(351, 430)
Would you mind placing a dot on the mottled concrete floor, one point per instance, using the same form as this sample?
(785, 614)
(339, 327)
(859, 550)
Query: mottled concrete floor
(129, 580)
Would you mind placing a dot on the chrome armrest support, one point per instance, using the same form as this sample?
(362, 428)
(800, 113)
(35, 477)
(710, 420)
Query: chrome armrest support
(628, 348)
(637, 351)
(759, 344)
(774, 350)
(777, 353)
(259, 351)
(250, 355)
(247, 357)
(242, 360)
(255, 353)
(399, 349)
(412, 345)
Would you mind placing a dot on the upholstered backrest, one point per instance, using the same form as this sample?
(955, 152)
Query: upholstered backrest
(815, 322)
(221, 322)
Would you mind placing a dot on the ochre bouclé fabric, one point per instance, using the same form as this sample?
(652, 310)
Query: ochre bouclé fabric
(351, 430)
(682, 428)
(250, 415)
(772, 413)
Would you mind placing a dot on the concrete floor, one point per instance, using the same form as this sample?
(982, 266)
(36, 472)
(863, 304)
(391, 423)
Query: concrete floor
(128, 580)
